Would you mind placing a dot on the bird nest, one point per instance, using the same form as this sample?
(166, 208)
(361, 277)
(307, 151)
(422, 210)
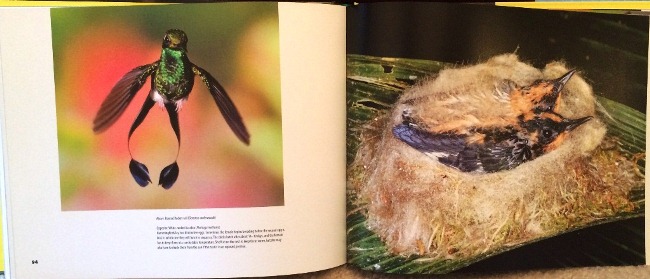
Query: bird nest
(419, 206)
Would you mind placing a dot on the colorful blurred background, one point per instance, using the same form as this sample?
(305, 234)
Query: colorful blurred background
(238, 43)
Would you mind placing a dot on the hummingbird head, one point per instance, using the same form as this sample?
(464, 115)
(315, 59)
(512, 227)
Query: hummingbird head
(175, 38)
(549, 130)
(540, 96)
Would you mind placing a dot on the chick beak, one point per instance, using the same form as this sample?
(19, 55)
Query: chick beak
(561, 81)
(571, 124)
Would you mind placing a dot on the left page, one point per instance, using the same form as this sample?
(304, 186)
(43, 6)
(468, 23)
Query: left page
(239, 171)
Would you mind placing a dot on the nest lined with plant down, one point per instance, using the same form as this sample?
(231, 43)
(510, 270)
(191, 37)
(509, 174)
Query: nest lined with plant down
(418, 206)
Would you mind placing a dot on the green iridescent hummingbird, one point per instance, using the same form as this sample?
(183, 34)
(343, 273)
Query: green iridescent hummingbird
(172, 79)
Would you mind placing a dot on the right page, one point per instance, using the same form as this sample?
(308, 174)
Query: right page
(486, 138)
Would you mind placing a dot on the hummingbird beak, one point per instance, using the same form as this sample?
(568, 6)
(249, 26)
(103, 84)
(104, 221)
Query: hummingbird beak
(571, 124)
(561, 81)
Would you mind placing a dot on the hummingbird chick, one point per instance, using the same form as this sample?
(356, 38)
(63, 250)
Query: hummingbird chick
(490, 149)
(540, 96)
(501, 141)
(172, 79)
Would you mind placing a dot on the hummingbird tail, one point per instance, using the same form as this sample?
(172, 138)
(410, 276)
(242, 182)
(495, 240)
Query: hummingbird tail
(168, 176)
(140, 173)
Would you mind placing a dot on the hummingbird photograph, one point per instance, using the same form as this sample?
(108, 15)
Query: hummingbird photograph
(479, 130)
(484, 149)
(172, 79)
(133, 83)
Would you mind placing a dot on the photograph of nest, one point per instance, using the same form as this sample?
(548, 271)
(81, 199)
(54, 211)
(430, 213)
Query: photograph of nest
(450, 164)
(420, 202)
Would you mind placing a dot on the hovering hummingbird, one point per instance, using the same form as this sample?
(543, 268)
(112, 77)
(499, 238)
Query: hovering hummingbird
(172, 79)
(490, 149)
(535, 130)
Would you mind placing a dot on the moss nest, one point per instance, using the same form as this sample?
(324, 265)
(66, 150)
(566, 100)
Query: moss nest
(419, 206)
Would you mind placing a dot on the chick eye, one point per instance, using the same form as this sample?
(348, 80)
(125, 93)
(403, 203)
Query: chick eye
(547, 133)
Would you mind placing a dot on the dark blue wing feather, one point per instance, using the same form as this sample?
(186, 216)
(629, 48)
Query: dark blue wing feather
(426, 141)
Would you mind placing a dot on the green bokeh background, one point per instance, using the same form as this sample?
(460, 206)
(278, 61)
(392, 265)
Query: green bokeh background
(238, 43)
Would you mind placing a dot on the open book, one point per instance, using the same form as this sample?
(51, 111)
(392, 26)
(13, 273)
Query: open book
(214, 140)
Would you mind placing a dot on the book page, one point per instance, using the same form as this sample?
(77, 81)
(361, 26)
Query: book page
(95, 189)
(493, 139)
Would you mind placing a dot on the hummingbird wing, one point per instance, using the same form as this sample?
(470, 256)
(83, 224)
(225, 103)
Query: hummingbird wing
(505, 155)
(121, 95)
(450, 149)
(429, 142)
(497, 158)
(226, 106)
